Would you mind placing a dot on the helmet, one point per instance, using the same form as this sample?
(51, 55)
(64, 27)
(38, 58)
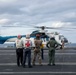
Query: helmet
(27, 36)
(19, 36)
(37, 35)
(52, 38)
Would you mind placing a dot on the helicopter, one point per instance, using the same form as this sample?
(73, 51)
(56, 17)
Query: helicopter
(44, 35)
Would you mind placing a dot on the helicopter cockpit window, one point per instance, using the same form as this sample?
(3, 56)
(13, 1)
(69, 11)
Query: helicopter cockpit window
(45, 39)
(61, 37)
(34, 32)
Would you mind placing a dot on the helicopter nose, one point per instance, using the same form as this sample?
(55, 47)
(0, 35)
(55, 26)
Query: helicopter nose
(65, 40)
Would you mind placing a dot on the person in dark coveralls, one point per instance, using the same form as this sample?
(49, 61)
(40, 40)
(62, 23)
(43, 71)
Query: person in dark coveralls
(52, 45)
(19, 50)
(27, 51)
(42, 51)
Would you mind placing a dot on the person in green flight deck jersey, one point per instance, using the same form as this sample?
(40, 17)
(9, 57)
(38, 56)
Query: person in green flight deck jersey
(52, 45)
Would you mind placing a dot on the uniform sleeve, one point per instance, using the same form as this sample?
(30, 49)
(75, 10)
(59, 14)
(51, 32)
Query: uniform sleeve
(57, 44)
(31, 43)
(41, 43)
(22, 43)
(35, 42)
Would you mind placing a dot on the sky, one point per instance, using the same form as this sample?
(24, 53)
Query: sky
(25, 14)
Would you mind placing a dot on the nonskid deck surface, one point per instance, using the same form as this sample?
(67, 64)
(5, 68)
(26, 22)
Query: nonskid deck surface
(65, 64)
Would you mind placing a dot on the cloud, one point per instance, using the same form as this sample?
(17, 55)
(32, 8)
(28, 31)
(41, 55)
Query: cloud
(71, 15)
(4, 21)
(57, 24)
(55, 13)
(39, 11)
(7, 1)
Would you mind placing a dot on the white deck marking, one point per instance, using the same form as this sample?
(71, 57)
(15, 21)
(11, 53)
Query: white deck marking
(38, 72)
(60, 63)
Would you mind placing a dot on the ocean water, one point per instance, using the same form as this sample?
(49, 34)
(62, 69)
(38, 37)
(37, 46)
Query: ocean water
(71, 45)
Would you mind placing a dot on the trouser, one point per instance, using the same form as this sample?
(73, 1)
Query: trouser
(35, 55)
(42, 53)
(52, 56)
(19, 55)
(27, 53)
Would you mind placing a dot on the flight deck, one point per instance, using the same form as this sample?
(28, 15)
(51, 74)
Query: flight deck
(65, 63)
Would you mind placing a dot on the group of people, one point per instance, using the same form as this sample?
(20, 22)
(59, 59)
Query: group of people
(24, 47)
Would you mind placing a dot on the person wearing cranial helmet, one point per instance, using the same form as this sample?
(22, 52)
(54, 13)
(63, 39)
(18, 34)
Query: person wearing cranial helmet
(27, 51)
(37, 49)
(28, 36)
(52, 45)
(19, 50)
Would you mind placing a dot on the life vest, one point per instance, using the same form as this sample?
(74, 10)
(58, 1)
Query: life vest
(42, 46)
(27, 43)
(19, 43)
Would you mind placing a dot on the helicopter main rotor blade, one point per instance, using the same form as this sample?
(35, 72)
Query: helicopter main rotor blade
(41, 27)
